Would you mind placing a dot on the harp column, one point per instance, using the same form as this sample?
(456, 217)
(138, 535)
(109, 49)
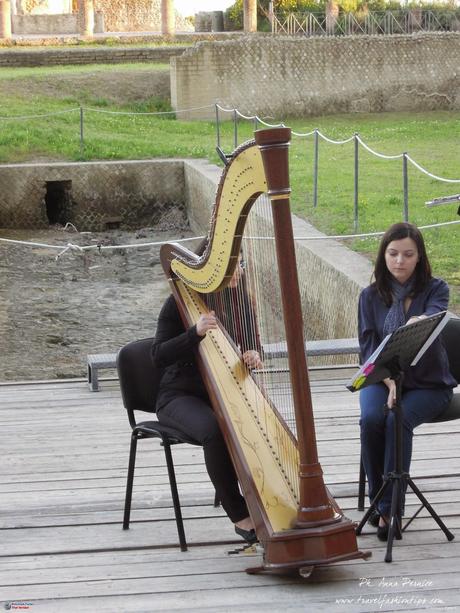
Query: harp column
(314, 505)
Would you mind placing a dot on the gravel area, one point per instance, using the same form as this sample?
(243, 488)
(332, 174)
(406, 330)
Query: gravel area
(53, 313)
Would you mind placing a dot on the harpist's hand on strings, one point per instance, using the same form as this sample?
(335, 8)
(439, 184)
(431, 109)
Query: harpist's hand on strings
(252, 359)
(206, 322)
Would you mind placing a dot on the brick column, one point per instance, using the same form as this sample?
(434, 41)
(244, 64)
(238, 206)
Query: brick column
(5, 19)
(250, 15)
(167, 18)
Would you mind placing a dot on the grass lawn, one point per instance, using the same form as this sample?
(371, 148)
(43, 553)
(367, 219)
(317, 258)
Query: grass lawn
(432, 139)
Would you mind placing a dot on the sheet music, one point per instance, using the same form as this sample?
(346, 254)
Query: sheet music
(436, 332)
(375, 369)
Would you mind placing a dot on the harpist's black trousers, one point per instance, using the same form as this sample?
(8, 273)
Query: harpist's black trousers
(195, 417)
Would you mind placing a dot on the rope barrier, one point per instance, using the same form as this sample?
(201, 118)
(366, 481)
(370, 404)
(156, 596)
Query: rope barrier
(429, 174)
(39, 116)
(94, 110)
(326, 237)
(335, 142)
(81, 249)
(371, 234)
(248, 118)
(376, 153)
(196, 108)
(303, 133)
(340, 142)
(252, 118)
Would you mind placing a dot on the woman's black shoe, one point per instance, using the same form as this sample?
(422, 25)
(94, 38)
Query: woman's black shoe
(382, 532)
(374, 518)
(248, 535)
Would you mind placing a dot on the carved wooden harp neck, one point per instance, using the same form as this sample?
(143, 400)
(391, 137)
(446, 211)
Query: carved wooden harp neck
(256, 167)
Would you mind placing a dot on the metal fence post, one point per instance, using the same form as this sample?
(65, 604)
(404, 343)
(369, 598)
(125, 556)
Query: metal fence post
(256, 123)
(217, 125)
(355, 201)
(271, 16)
(405, 188)
(235, 128)
(82, 141)
(315, 169)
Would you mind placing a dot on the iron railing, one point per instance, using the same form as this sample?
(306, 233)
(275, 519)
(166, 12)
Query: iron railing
(386, 22)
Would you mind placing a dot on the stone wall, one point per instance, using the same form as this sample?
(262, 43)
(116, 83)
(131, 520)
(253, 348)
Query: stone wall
(135, 194)
(87, 55)
(327, 269)
(42, 7)
(135, 16)
(280, 76)
(115, 15)
(332, 277)
(91, 195)
(201, 179)
(45, 24)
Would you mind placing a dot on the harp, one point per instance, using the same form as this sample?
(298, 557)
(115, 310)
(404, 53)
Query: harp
(297, 521)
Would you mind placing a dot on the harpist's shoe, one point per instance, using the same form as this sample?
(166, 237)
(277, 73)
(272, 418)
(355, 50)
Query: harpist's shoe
(374, 519)
(248, 535)
(382, 532)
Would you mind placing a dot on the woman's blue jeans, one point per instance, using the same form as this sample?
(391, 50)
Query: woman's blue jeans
(377, 431)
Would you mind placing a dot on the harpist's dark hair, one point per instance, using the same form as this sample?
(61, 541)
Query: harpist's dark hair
(382, 275)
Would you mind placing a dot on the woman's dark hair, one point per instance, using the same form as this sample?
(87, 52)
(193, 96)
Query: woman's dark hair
(383, 276)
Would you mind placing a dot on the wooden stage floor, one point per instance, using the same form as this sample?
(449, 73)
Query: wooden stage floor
(64, 453)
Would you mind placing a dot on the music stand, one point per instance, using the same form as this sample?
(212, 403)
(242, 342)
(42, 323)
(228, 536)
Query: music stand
(399, 350)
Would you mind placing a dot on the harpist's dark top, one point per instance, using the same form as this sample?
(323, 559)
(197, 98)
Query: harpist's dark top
(174, 350)
(433, 368)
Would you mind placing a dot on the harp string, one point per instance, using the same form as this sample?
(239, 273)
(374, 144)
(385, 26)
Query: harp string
(275, 374)
(251, 314)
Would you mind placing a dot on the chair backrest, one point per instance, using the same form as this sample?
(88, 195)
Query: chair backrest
(139, 378)
(451, 340)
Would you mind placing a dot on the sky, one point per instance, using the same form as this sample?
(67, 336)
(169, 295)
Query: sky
(190, 7)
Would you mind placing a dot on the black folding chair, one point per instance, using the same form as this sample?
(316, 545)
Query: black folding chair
(139, 383)
(451, 340)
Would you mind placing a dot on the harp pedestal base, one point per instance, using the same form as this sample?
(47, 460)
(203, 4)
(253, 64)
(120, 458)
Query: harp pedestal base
(304, 569)
(299, 551)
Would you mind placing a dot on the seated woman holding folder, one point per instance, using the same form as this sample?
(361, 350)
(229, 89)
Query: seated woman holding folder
(403, 292)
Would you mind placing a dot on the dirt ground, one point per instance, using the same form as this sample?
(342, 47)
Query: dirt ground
(53, 313)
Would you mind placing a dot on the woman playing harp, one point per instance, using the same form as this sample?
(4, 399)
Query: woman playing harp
(273, 448)
(183, 402)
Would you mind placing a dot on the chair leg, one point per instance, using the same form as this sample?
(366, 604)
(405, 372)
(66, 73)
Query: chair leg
(129, 482)
(175, 495)
(362, 485)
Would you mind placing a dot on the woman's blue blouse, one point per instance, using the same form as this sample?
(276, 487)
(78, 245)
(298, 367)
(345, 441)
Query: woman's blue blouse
(432, 370)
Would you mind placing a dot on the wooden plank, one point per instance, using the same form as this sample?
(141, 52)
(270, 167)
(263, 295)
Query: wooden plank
(211, 589)
(62, 483)
(271, 599)
(99, 566)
